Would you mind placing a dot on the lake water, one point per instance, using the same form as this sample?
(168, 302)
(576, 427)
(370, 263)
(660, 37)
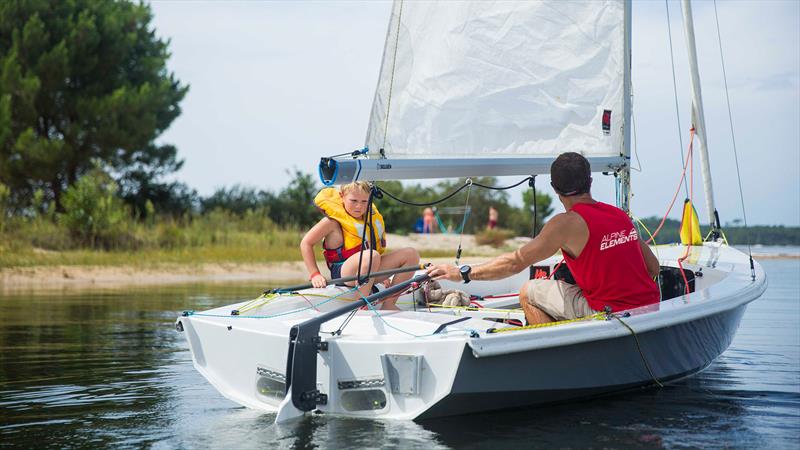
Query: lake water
(108, 369)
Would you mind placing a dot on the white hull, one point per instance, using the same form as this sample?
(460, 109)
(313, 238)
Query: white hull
(376, 369)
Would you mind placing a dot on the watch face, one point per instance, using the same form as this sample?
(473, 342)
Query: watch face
(465, 272)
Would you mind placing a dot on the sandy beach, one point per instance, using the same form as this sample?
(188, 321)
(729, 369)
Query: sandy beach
(91, 277)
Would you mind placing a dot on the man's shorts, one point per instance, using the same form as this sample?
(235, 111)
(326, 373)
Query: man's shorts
(560, 300)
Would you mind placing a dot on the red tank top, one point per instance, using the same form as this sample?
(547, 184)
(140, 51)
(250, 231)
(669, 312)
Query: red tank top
(611, 270)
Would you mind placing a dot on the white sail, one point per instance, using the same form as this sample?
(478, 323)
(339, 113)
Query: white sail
(500, 79)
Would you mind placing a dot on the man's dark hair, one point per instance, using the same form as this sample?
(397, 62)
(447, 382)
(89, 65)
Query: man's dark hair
(570, 174)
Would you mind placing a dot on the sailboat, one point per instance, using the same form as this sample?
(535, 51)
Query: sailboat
(483, 89)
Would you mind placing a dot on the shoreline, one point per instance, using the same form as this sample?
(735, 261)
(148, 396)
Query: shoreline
(38, 278)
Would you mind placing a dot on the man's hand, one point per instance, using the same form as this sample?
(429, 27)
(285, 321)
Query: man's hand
(445, 272)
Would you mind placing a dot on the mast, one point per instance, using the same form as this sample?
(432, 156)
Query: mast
(698, 118)
(625, 173)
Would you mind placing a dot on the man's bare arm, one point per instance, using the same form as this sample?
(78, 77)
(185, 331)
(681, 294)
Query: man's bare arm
(546, 244)
(650, 260)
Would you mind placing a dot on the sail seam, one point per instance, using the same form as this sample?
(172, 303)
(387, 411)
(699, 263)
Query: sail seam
(391, 78)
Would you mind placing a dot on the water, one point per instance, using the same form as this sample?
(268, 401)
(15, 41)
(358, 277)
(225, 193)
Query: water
(107, 368)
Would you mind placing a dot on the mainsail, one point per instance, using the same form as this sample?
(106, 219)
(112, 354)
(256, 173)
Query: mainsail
(489, 82)
(471, 79)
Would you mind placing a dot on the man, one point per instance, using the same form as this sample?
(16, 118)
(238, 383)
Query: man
(612, 266)
(493, 216)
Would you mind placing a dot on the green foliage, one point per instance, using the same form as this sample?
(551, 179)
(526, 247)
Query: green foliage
(737, 235)
(94, 215)
(4, 194)
(401, 218)
(542, 207)
(237, 199)
(83, 81)
(294, 205)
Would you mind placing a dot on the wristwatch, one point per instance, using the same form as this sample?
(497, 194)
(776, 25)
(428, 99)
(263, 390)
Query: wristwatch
(465, 270)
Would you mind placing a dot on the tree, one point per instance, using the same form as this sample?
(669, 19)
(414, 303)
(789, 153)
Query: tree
(294, 205)
(95, 216)
(543, 208)
(82, 81)
(237, 199)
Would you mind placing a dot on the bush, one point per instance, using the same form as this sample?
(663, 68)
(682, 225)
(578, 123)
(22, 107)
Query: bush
(496, 238)
(94, 215)
(5, 193)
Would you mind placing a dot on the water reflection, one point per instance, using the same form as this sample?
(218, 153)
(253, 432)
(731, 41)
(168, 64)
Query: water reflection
(107, 369)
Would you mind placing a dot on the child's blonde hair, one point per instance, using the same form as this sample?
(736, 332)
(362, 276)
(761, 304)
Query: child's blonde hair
(360, 185)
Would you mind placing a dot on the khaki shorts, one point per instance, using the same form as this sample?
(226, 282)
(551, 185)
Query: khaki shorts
(560, 300)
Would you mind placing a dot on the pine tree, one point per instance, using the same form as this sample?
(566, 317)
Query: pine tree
(83, 83)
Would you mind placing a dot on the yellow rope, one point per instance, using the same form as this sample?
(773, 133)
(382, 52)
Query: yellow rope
(475, 308)
(652, 238)
(265, 299)
(257, 302)
(599, 315)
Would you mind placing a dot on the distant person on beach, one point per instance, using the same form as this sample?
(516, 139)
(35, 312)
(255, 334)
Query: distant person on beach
(340, 232)
(493, 215)
(611, 265)
(428, 221)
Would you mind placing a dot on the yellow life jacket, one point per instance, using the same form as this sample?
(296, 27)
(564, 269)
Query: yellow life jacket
(331, 204)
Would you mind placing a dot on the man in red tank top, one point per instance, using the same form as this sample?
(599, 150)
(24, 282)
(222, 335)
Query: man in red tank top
(611, 265)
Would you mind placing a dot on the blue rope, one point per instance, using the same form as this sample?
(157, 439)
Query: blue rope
(471, 331)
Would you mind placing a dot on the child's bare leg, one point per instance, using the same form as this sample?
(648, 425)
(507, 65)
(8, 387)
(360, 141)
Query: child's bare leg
(350, 269)
(396, 259)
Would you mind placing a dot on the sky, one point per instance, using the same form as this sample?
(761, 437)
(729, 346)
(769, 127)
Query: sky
(276, 85)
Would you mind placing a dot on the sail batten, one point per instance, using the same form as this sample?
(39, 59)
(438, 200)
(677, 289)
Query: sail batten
(500, 79)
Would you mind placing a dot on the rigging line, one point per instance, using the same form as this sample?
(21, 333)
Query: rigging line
(344, 323)
(367, 224)
(452, 194)
(691, 226)
(733, 139)
(532, 184)
(639, 347)
(391, 77)
(502, 188)
(463, 221)
(636, 144)
(658, 257)
(675, 91)
(683, 176)
(472, 332)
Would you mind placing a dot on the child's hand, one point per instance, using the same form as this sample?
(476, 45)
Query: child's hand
(318, 281)
(387, 283)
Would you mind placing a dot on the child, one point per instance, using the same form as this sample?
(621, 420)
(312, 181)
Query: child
(340, 233)
(427, 220)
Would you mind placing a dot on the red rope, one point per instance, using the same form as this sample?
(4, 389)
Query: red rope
(556, 269)
(691, 217)
(683, 175)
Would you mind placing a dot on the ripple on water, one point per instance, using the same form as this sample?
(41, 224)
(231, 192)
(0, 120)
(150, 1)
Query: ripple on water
(109, 370)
